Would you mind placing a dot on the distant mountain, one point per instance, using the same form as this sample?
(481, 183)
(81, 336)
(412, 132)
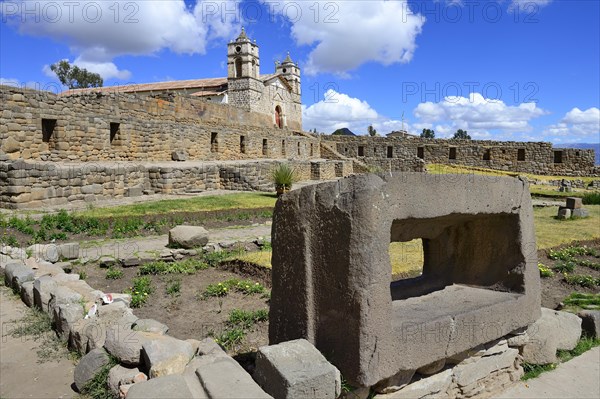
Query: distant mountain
(343, 132)
(584, 146)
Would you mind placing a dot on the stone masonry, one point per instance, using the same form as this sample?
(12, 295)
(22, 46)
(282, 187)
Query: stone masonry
(330, 253)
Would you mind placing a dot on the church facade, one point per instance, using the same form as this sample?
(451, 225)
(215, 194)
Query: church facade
(276, 95)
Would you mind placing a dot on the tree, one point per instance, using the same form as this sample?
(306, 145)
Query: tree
(428, 134)
(74, 77)
(461, 135)
(372, 131)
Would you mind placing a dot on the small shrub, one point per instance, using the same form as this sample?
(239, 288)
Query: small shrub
(589, 264)
(215, 290)
(10, 240)
(114, 274)
(174, 288)
(545, 271)
(592, 198)
(222, 289)
(139, 291)
(228, 338)
(189, 266)
(582, 280)
(246, 319)
(565, 267)
(284, 177)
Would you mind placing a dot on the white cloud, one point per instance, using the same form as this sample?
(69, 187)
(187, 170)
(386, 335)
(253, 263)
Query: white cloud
(479, 115)
(100, 31)
(576, 126)
(348, 34)
(338, 110)
(530, 7)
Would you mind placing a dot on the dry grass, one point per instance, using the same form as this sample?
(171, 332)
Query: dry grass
(551, 232)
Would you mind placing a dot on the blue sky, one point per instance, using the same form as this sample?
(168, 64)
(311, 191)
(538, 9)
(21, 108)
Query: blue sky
(500, 69)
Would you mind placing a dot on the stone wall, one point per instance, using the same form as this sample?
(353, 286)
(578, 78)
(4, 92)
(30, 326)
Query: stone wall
(529, 157)
(38, 184)
(127, 127)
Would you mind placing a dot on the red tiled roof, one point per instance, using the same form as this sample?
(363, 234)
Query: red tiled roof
(192, 84)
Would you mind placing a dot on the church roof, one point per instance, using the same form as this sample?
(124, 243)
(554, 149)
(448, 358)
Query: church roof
(194, 84)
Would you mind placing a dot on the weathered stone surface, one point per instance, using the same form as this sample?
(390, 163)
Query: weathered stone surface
(27, 293)
(553, 330)
(466, 374)
(88, 366)
(590, 322)
(188, 237)
(65, 316)
(150, 325)
(15, 274)
(433, 386)
(179, 155)
(574, 203)
(225, 378)
(432, 368)
(580, 213)
(43, 288)
(296, 369)
(353, 323)
(395, 382)
(10, 145)
(125, 344)
(69, 250)
(120, 375)
(569, 329)
(208, 346)
(165, 355)
(62, 295)
(167, 387)
(518, 340)
(564, 213)
(47, 252)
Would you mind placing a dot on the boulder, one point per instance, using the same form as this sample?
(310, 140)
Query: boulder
(89, 366)
(65, 316)
(188, 237)
(15, 274)
(68, 251)
(564, 213)
(223, 377)
(125, 344)
(569, 329)
(554, 330)
(47, 252)
(120, 375)
(434, 386)
(179, 155)
(580, 213)
(296, 369)
(574, 202)
(43, 288)
(27, 293)
(167, 387)
(150, 325)
(165, 355)
(590, 323)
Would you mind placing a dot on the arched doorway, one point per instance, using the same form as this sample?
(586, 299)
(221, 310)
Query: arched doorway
(278, 117)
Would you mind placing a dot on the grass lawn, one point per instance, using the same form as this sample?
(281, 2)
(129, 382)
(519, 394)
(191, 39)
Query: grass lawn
(250, 200)
(407, 257)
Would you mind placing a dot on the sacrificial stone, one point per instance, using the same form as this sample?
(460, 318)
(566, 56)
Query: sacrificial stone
(480, 279)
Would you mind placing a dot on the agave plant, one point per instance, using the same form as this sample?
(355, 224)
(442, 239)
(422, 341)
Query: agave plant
(283, 177)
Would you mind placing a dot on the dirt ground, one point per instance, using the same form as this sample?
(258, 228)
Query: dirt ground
(22, 375)
(186, 315)
(555, 289)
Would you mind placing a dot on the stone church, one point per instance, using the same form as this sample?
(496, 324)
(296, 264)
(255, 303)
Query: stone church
(277, 95)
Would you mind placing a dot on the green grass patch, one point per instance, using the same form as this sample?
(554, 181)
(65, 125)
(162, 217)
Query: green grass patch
(239, 323)
(114, 274)
(174, 288)
(551, 232)
(221, 289)
(583, 280)
(139, 291)
(198, 204)
(188, 266)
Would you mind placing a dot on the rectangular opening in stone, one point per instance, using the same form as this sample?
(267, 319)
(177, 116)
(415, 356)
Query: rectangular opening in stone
(214, 142)
(265, 147)
(298, 148)
(390, 152)
(487, 155)
(521, 154)
(406, 259)
(243, 144)
(474, 250)
(282, 147)
(558, 156)
(48, 126)
(311, 150)
(420, 152)
(115, 130)
(361, 151)
(452, 153)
